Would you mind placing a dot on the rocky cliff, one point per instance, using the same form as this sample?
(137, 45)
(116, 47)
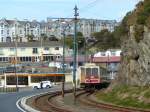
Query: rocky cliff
(135, 62)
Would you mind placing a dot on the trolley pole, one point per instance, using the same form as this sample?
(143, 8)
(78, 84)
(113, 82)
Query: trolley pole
(63, 78)
(75, 51)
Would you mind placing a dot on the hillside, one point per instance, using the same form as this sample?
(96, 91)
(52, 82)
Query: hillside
(131, 87)
(135, 41)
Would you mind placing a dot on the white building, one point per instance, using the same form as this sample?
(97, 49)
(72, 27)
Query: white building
(86, 26)
(10, 29)
(111, 52)
(31, 51)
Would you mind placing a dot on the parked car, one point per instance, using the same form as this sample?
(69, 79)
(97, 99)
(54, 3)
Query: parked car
(43, 84)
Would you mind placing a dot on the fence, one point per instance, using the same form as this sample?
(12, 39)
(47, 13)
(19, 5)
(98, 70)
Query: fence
(5, 90)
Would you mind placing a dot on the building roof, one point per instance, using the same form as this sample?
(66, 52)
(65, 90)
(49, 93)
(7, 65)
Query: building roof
(10, 21)
(82, 58)
(30, 44)
(43, 24)
(106, 59)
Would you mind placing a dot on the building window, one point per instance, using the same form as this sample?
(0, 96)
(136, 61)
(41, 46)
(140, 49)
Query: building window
(0, 59)
(20, 31)
(2, 39)
(46, 48)
(103, 54)
(56, 48)
(23, 49)
(1, 51)
(31, 32)
(2, 31)
(2, 25)
(12, 49)
(113, 53)
(7, 32)
(35, 51)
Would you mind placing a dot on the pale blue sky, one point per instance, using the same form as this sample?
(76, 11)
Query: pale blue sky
(41, 9)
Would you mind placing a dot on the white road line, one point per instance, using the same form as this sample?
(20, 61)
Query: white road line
(18, 106)
(29, 96)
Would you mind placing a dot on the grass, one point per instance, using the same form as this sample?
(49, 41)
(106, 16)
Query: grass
(137, 97)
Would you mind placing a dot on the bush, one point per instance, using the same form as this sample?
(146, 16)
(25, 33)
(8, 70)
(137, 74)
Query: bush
(138, 32)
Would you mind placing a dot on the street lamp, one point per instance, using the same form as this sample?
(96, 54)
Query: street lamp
(15, 62)
(85, 53)
(64, 40)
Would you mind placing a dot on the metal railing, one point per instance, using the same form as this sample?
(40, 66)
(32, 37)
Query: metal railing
(6, 90)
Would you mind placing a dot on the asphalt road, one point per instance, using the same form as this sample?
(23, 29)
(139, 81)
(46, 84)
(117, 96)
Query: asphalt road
(8, 100)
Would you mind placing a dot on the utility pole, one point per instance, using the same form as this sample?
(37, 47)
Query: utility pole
(41, 60)
(15, 62)
(75, 50)
(85, 56)
(63, 78)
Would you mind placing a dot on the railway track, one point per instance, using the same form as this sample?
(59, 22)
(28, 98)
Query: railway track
(45, 103)
(87, 100)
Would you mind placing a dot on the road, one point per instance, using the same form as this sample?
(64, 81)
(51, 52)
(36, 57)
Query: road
(8, 100)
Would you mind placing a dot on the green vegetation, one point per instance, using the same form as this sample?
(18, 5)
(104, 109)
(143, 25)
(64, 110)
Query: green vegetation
(138, 18)
(137, 97)
(80, 41)
(30, 38)
(44, 36)
(106, 39)
(139, 31)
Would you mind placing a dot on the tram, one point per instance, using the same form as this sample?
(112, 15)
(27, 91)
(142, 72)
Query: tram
(91, 75)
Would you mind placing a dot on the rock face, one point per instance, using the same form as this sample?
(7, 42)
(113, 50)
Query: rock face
(135, 62)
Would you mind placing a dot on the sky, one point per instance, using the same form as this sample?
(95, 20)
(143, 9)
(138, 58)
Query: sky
(41, 9)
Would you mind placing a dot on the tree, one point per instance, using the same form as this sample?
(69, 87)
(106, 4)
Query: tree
(44, 36)
(16, 38)
(106, 39)
(80, 41)
(30, 38)
(79, 34)
(69, 41)
(53, 38)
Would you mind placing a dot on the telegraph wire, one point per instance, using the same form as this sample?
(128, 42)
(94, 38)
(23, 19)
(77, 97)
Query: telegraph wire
(90, 5)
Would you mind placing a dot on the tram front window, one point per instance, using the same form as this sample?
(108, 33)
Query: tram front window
(88, 72)
(95, 72)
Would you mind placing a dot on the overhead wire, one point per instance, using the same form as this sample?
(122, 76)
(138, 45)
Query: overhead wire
(88, 6)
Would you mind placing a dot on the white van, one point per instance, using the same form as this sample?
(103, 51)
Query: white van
(42, 84)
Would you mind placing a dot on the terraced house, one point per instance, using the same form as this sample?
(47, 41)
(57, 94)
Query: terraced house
(10, 29)
(30, 51)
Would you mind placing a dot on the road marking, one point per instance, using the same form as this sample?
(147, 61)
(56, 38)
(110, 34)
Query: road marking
(18, 106)
(36, 94)
(29, 96)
